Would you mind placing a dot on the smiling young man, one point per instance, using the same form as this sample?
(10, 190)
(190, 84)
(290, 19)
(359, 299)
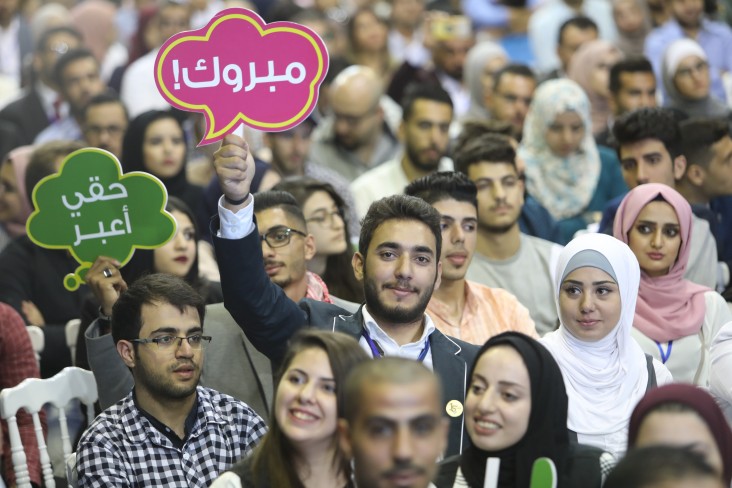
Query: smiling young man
(167, 431)
(398, 262)
(461, 308)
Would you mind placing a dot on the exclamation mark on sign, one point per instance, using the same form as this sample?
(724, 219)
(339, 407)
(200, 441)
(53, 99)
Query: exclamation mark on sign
(175, 74)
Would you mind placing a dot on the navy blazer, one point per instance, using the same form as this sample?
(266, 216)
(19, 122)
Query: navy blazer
(269, 319)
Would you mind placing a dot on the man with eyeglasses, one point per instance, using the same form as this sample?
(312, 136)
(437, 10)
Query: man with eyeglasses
(360, 133)
(104, 122)
(513, 89)
(287, 246)
(41, 103)
(168, 431)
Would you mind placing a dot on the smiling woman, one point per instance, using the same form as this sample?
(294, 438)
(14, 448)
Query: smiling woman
(516, 410)
(675, 319)
(605, 370)
(301, 448)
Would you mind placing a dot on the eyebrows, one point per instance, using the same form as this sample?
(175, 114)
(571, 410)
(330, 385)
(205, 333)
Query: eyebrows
(594, 283)
(479, 377)
(396, 246)
(174, 330)
(306, 374)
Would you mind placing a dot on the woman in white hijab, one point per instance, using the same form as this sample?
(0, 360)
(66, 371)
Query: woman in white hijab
(687, 81)
(605, 371)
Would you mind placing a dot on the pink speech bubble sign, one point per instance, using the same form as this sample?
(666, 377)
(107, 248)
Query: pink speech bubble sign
(240, 69)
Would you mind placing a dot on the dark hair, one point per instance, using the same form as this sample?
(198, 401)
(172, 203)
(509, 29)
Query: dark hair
(630, 65)
(390, 370)
(444, 185)
(280, 199)
(43, 161)
(132, 145)
(423, 91)
(274, 456)
(351, 25)
(513, 69)
(155, 288)
(66, 59)
(49, 33)
(648, 466)
(399, 207)
(486, 148)
(476, 127)
(698, 135)
(104, 98)
(580, 21)
(649, 123)
(338, 273)
(143, 261)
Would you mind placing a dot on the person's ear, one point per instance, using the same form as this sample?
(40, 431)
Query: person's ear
(126, 351)
(310, 249)
(357, 261)
(696, 175)
(679, 167)
(343, 440)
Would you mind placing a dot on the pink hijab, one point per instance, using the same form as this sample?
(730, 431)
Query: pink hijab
(19, 158)
(669, 307)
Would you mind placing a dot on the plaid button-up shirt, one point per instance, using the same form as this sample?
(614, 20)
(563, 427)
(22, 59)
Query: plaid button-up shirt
(122, 448)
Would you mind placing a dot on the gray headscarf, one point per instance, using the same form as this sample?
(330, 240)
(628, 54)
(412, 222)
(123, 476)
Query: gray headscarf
(710, 106)
(478, 56)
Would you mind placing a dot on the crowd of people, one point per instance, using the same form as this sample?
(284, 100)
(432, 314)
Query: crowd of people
(503, 234)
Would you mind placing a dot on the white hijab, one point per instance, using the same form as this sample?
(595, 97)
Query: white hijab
(604, 379)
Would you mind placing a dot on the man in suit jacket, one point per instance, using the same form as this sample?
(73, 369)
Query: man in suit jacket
(41, 103)
(398, 261)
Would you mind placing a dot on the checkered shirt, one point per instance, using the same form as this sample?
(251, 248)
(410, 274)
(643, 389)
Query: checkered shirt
(122, 448)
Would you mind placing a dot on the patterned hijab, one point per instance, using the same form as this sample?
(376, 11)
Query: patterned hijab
(669, 307)
(563, 185)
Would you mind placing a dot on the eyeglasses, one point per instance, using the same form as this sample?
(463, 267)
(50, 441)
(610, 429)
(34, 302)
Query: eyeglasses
(699, 67)
(280, 236)
(324, 218)
(196, 341)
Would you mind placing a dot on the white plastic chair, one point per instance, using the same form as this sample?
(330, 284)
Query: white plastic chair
(38, 340)
(31, 394)
(72, 332)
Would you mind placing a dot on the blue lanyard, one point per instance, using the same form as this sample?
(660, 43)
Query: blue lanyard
(667, 354)
(377, 352)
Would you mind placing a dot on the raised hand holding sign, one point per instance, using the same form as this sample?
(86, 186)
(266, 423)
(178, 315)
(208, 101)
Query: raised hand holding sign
(90, 208)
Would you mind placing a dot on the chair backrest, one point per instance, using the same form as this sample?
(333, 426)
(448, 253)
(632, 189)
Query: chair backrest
(72, 332)
(38, 340)
(32, 394)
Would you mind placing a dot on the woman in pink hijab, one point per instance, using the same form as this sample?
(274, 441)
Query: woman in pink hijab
(15, 207)
(590, 69)
(675, 320)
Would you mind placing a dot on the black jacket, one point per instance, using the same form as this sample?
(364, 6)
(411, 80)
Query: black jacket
(269, 319)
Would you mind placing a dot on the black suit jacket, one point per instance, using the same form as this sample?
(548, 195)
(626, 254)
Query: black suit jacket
(27, 115)
(269, 319)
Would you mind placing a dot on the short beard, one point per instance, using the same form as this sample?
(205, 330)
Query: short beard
(395, 315)
(160, 387)
(414, 159)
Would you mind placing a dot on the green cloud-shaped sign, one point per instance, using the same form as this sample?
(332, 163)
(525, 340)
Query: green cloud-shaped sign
(90, 208)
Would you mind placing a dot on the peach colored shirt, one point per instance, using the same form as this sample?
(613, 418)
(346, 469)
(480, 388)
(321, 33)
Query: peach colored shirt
(487, 312)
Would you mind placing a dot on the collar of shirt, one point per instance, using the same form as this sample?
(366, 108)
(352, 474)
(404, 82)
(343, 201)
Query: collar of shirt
(389, 345)
(48, 96)
(167, 431)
